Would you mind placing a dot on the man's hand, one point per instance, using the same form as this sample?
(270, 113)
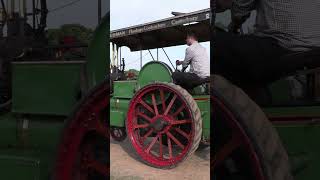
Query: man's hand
(178, 62)
(236, 23)
(233, 28)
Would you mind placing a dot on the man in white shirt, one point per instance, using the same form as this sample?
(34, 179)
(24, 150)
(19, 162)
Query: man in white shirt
(198, 59)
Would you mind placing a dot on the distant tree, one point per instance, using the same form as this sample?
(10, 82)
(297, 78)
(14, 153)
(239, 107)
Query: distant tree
(132, 73)
(81, 33)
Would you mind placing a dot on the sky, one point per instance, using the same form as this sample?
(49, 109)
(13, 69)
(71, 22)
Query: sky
(124, 13)
(84, 12)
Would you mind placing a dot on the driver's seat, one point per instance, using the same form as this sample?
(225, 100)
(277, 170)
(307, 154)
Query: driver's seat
(188, 81)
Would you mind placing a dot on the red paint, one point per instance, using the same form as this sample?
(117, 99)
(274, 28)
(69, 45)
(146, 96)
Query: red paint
(239, 135)
(151, 113)
(74, 160)
(202, 99)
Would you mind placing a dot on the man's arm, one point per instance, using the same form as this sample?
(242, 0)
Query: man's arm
(240, 12)
(187, 59)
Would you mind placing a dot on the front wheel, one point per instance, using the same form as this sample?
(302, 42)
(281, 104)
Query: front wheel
(163, 113)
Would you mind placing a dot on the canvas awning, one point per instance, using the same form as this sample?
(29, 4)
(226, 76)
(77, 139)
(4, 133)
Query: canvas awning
(164, 33)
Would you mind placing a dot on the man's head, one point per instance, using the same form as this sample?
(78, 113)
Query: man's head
(191, 38)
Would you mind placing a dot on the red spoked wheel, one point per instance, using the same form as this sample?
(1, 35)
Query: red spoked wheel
(83, 153)
(163, 124)
(245, 144)
(233, 143)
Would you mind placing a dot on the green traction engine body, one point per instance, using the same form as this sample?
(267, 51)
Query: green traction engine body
(154, 72)
(44, 94)
(295, 113)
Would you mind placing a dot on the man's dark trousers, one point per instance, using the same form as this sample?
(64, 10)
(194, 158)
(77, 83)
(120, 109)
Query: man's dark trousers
(247, 60)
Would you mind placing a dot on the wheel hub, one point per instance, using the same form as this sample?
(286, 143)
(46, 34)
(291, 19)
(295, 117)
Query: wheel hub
(159, 124)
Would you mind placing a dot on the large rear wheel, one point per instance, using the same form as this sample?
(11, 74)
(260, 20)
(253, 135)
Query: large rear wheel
(246, 145)
(83, 153)
(163, 124)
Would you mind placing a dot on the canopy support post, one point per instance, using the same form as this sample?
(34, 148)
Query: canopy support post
(151, 54)
(168, 58)
(157, 54)
(117, 48)
(120, 54)
(140, 59)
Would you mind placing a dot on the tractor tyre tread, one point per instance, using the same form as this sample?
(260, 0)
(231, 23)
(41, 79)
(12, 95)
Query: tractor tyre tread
(197, 116)
(264, 137)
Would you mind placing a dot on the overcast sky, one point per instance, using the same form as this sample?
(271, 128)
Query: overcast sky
(124, 13)
(84, 12)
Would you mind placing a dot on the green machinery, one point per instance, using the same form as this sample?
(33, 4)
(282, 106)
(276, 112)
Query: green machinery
(53, 126)
(277, 140)
(164, 122)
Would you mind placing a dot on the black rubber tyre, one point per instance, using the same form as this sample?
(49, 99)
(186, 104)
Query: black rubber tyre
(253, 121)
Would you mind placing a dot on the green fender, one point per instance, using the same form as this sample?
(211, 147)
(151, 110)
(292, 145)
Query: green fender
(98, 52)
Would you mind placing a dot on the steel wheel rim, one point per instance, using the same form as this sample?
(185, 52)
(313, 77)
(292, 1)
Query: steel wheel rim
(158, 157)
(239, 139)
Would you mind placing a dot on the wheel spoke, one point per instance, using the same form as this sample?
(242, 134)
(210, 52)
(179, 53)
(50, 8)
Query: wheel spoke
(170, 104)
(154, 140)
(147, 134)
(170, 136)
(162, 100)
(178, 111)
(185, 121)
(145, 105)
(144, 116)
(154, 104)
(233, 144)
(138, 126)
(184, 134)
(91, 163)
